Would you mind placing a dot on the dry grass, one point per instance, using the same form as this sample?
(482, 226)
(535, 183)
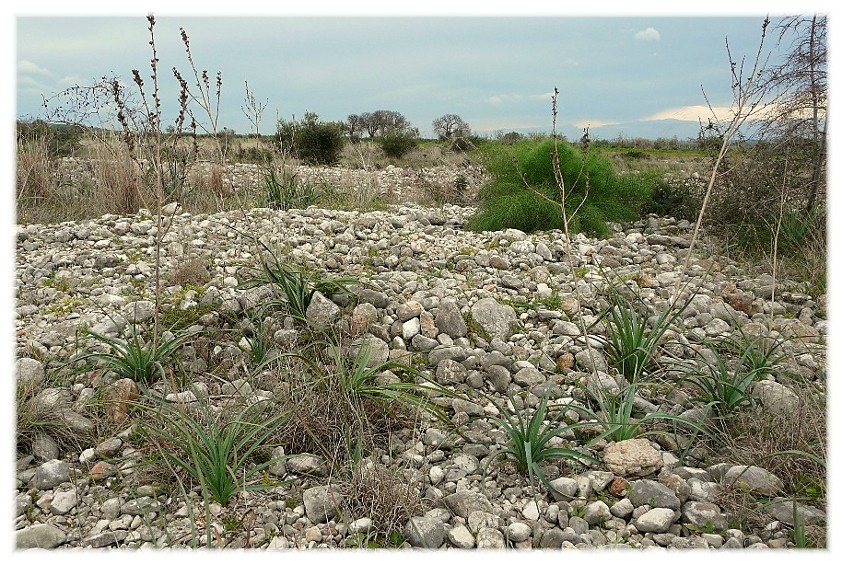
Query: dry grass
(118, 186)
(35, 173)
(191, 271)
(363, 194)
(778, 443)
(34, 420)
(330, 423)
(760, 436)
(374, 491)
(362, 156)
(211, 179)
(112, 183)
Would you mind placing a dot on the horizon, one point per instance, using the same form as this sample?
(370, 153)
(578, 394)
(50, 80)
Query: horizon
(620, 76)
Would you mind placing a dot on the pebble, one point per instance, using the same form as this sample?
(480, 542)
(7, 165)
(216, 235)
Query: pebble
(459, 323)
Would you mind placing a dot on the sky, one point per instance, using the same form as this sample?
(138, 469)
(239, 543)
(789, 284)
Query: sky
(643, 76)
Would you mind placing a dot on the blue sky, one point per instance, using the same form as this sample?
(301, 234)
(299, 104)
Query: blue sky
(622, 75)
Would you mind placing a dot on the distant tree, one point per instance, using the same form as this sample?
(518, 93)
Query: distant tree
(355, 124)
(379, 122)
(449, 127)
(311, 140)
(368, 123)
(510, 137)
(394, 121)
(396, 144)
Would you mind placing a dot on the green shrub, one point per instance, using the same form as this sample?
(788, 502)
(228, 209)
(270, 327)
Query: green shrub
(284, 191)
(141, 360)
(529, 438)
(724, 387)
(62, 140)
(296, 284)
(615, 415)
(216, 451)
(602, 194)
(396, 144)
(311, 140)
(670, 200)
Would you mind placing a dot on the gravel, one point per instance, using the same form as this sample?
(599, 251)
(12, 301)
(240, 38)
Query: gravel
(493, 312)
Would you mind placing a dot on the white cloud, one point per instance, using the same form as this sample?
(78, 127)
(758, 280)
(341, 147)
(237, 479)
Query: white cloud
(499, 100)
(648, 34)
(687, 113)
(72, 80)
(703, 113)
(28, 67)
(544, 96)
(590, 123)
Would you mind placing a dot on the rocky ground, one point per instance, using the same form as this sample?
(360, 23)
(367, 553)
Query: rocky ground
(492, 312)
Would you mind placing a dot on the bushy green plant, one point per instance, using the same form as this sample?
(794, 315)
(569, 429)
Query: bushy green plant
(259, 341)
(216, 453)
(311, 140)
(724, 387)
(630, 345)
(346, 405)
(297, 285)
(528, 438)
(615, 415)
(796, 226)
(136, 358)
(592, 188)
(396, 144)
(356, 377)
(674, 201)
(762, 354)
(284, 191)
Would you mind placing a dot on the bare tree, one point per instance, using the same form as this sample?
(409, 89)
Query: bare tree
(356, 124)
(748, 90)
(369, 123)
(798, 125)
(254, 111)
(449, 127)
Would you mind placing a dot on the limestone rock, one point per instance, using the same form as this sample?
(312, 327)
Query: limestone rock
(464, 502)
(30, 373)
(632, 457)
(50, 474)
(449, 320)
(322, 313)
(40, 535)
(496, 319)
(755, 479)
(425, 532)
(321, 503)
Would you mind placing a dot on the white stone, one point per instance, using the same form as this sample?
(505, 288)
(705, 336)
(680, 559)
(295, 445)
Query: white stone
(657, 520)
(461, 537)
(518, 532)
(530, 510)
(64, 501)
